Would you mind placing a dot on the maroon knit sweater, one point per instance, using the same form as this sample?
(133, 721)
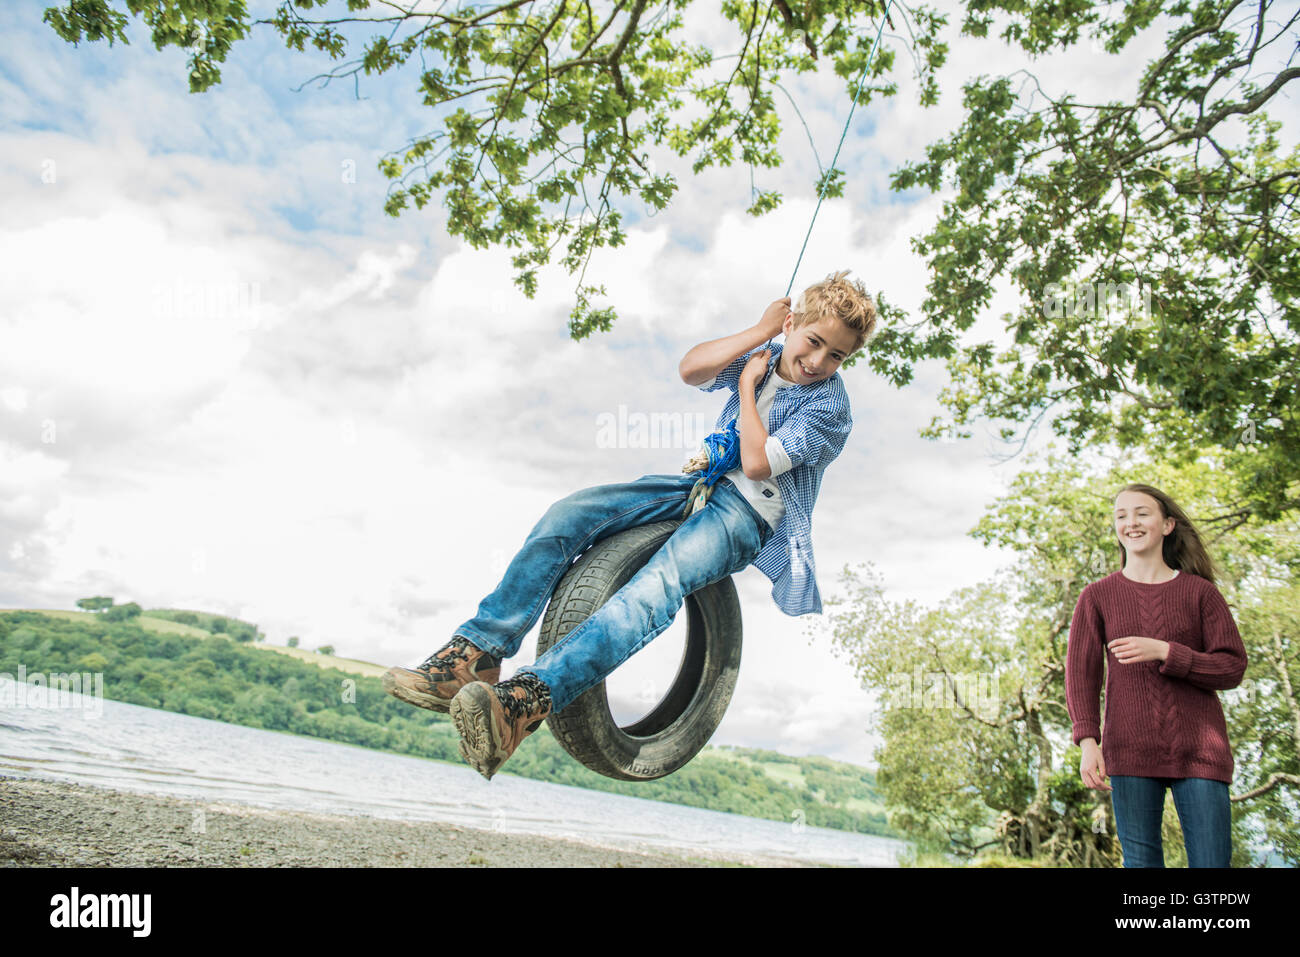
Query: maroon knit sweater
(1163, 719)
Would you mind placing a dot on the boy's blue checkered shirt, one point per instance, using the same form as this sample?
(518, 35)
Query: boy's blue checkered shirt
(812, 423)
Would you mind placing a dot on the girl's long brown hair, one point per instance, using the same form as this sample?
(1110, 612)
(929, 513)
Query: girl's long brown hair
(1182, 547)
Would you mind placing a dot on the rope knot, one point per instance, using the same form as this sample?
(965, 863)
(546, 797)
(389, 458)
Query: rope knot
(720, 454)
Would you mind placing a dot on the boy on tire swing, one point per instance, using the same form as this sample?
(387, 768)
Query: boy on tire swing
(759, 513)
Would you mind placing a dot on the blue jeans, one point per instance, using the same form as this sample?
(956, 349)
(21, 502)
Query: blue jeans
(1203, 810)
(721, 539)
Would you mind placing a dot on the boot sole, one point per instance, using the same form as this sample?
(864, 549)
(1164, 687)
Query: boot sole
(471, 713)
(410, 695)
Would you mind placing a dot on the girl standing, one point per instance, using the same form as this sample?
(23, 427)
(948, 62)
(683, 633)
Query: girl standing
(1168, 642)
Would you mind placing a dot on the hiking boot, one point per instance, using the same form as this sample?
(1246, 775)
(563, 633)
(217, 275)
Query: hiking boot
(434, 683)
(493, 719)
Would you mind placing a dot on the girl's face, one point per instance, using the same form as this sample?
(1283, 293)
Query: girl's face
(1140, 524)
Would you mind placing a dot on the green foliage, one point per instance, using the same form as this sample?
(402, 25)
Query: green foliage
(92, 662)
(547, 112)
(122, 612)
(720, 784)
(217, 624)
(1264, 714)
(23, 637)
(202, 668)
(152, 685)
(1151, 241)
(220, 679)
(958, 751)
(207, 28)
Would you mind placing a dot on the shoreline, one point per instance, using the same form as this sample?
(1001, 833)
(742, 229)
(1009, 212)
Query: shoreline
(47, 823)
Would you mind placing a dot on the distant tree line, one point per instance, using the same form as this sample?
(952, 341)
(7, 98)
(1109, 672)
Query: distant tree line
(228, 681)
(216, 624)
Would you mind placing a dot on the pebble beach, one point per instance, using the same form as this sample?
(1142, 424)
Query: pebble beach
(46, 823)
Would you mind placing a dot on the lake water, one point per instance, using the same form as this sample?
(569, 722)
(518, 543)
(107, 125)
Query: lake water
(88, 740)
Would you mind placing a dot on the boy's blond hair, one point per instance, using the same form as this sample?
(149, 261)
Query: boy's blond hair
(838, 298)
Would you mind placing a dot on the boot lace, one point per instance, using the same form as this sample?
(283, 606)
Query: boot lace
(534, 700)
(456, 651)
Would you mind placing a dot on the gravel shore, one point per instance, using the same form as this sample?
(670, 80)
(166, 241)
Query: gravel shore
(56, 824)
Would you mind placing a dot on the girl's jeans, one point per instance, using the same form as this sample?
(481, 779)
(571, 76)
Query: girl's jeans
(719, 540)
(1203, 810)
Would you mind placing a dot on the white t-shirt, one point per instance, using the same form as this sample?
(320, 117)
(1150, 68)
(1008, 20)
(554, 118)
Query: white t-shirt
(763, 494)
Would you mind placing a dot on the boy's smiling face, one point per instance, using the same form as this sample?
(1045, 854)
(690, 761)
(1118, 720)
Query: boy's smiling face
(815, 350)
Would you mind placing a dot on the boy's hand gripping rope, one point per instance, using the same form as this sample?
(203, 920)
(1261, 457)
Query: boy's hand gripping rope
(721, 452)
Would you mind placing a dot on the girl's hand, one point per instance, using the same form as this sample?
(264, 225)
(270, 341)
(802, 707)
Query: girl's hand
(773, 322)
(1092, 768)
(1136, 648)
(754, 368)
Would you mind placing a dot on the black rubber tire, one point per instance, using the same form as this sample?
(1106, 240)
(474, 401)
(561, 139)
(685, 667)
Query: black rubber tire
(684, 721)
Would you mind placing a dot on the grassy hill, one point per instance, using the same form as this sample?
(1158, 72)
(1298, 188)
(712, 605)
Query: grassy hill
(150, 621)
(162, 621)
(839, 783)
(352, 665)
(154, 660)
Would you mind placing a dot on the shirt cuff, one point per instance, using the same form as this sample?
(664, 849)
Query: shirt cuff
(1179, 661)
(777, 459)
(705, 386)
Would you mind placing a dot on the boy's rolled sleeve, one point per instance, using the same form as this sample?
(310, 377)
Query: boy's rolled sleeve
(777, 459)
(815, 435)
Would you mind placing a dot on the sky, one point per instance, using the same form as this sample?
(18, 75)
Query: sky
(230, 382)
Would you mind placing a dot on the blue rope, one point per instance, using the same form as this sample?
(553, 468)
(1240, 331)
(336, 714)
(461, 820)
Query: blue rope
(724, 455)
